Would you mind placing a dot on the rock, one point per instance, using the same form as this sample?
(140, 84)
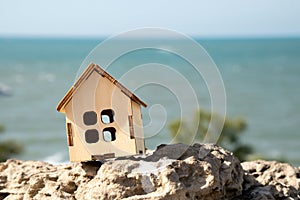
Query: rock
(171, 172)
(271, 180)
(178, 171)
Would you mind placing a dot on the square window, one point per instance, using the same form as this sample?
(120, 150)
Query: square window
(107, 116)
(91, 136)
(109, 134)
(90, 118)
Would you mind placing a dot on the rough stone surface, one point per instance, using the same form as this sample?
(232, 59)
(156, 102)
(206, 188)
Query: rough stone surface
(201, 171)
(271, 180)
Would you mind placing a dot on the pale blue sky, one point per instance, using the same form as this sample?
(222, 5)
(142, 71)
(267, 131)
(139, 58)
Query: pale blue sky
(96, 18)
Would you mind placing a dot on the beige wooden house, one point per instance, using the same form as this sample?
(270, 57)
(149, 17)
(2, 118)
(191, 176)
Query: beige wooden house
(103, 118)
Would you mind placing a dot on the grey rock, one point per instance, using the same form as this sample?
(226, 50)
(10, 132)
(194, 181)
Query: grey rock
(271, 180)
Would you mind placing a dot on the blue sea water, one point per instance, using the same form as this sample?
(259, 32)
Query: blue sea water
(261, 77)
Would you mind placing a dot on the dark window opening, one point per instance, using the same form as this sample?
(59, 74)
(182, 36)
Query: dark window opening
(91, 136)
(109, 134)
(107, 116)
(70, 134)
(140, 152)
(131, 131)
(90, 118)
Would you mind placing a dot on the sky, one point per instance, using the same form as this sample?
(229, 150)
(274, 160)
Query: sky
(97, 18)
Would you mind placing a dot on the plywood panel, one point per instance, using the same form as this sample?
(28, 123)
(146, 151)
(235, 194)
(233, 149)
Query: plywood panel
(95, 94)
(138, 127)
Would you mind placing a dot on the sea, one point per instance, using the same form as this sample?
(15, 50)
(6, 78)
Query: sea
(261, 77)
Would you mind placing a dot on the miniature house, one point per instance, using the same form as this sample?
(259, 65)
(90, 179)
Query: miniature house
(103, 118)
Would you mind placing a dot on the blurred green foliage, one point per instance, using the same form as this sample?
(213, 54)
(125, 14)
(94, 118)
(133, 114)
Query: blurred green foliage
(8, 148)
(1, 128)
(182, 131)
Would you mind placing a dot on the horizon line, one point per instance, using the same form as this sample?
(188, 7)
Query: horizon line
(102, 37)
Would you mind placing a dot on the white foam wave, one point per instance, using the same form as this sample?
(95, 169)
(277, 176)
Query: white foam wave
(56, 159)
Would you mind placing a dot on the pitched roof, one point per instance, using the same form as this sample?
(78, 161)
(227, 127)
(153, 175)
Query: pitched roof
(93, 67)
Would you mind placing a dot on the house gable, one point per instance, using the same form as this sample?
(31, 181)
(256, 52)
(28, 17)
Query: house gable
(93, 67)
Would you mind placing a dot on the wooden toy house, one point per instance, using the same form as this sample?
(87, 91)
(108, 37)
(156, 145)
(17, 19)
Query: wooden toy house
(103, 118)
